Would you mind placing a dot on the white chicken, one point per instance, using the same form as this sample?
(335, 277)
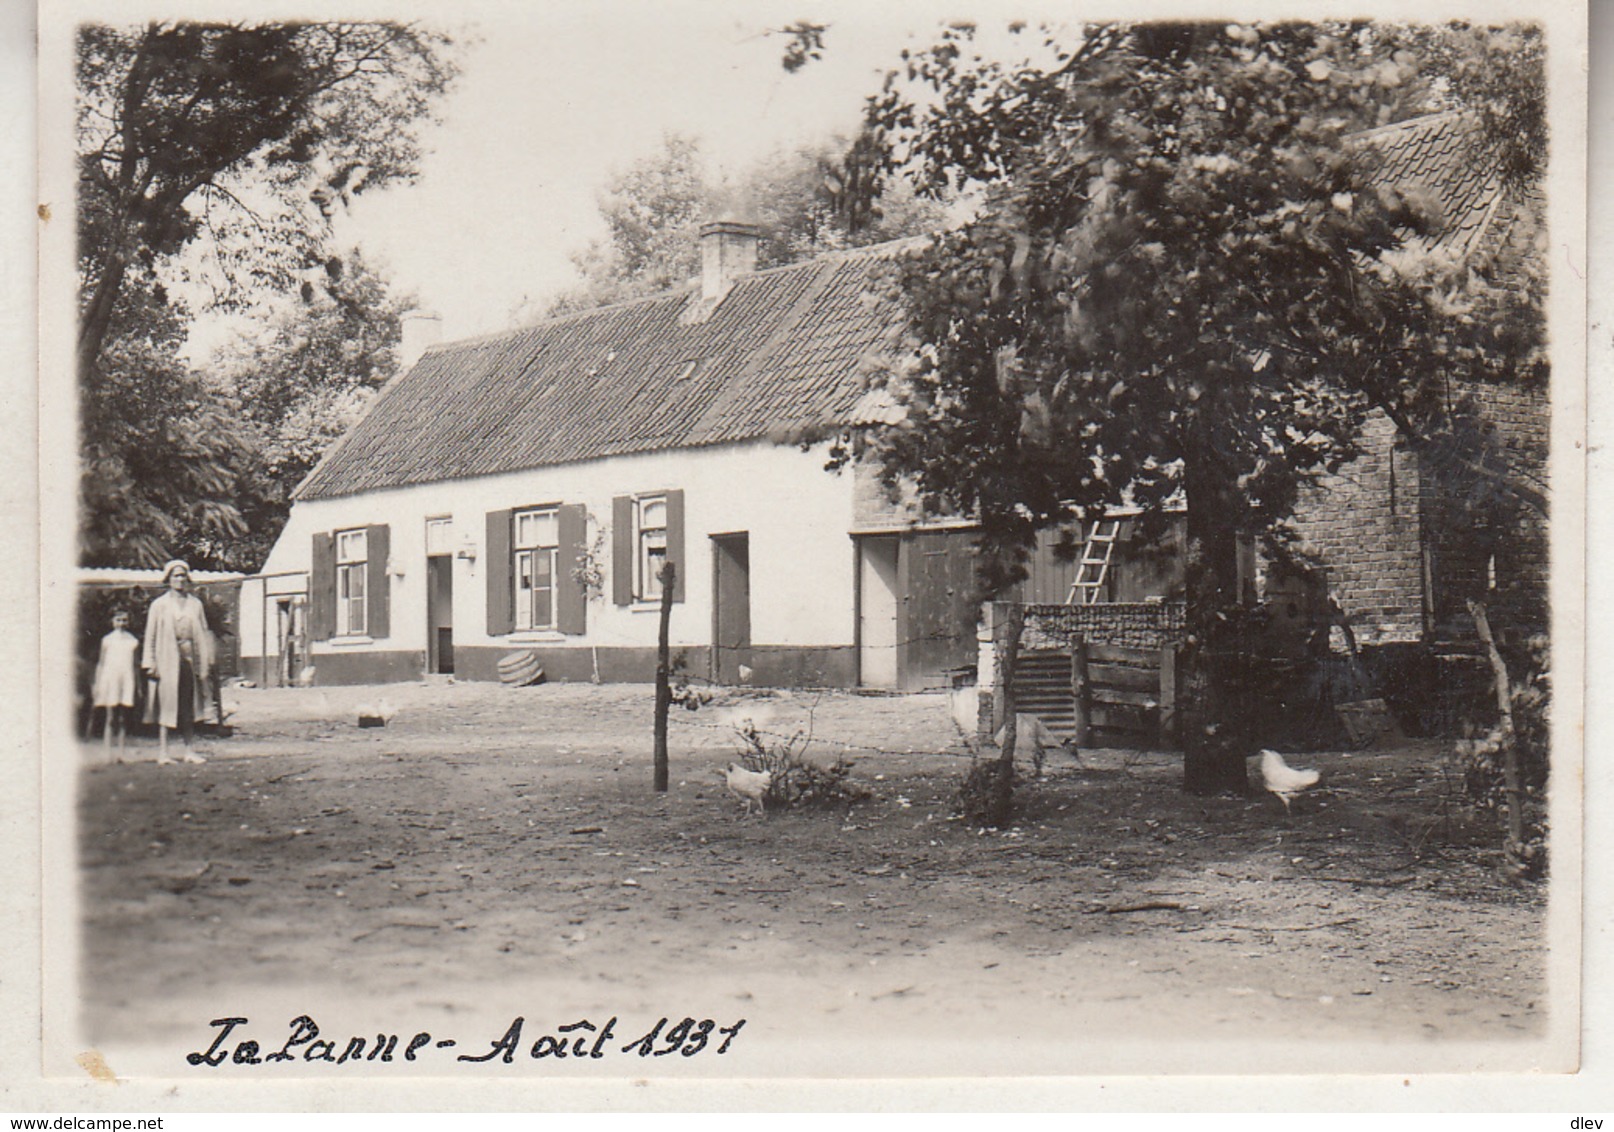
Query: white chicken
(748, 785)
(1032, 739)
(1284, 780)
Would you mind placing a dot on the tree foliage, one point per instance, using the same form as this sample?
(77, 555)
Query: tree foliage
(653, 211)
(300, 381)
(1181, 283)
(212, 153)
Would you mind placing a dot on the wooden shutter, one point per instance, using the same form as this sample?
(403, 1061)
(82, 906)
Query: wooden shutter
(499, 567)
(571, 596)
(377, 582)
(675, 540)
(322, 588)
(622, 550)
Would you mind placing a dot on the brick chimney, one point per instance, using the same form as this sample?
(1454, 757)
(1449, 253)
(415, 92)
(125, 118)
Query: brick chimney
(728, 250)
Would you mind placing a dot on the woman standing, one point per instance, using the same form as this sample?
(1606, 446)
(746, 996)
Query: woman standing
(177, 657)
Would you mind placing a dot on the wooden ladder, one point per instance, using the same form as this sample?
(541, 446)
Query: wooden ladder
(1094, 570)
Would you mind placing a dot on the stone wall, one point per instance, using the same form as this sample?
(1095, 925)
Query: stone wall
(1133, 625)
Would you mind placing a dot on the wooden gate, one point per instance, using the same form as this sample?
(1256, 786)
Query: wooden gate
(1102, 695)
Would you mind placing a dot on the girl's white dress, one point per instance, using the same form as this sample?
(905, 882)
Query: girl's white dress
(116, 672)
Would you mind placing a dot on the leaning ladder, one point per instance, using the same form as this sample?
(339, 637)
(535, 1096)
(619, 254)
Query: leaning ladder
(1094, 569)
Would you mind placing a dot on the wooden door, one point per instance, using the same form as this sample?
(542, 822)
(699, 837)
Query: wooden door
(440, 613)
(731, 606)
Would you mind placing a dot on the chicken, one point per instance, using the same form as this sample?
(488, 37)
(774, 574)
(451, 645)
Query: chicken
(1284, 780)
(748, 785)
(1032, 739)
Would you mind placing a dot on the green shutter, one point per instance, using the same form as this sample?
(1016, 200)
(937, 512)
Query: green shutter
(622, 537)
(322, 588)
(378, 582)
(675, 541)
(571, 596)
(499, 568)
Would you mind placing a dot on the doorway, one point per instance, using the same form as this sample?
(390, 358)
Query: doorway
(731, 608)
(440, 614)
(877, 611)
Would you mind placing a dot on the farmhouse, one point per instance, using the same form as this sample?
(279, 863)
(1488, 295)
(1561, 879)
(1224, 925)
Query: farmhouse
(519, 492)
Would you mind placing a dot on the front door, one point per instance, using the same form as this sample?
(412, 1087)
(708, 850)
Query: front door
(440, 613)
(731, 608)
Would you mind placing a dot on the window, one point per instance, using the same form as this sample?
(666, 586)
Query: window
(352, 562)
(439, 536)
(650, 527)
(536, 544)
(647, 534)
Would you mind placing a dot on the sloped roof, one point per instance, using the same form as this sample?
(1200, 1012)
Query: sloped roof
(784, 350)
(1445, 156)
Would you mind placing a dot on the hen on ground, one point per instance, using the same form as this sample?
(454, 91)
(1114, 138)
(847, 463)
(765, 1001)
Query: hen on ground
(748, 785)
(1284, 780)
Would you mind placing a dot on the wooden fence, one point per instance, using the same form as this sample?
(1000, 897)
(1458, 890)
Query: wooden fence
(1102, 695)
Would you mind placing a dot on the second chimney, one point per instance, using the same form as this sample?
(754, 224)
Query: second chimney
(421, 330)
(728, 250)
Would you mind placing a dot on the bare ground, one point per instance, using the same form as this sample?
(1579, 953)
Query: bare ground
(498, 852)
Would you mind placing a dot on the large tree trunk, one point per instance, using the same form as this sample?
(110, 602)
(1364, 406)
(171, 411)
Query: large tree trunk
(1214, 732)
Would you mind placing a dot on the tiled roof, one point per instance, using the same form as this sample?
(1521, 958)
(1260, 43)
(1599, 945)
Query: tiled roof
(1446, 157)
(784, 350)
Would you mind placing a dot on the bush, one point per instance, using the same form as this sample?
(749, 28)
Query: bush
(1480, 760)
(986, 797)
(797, 781)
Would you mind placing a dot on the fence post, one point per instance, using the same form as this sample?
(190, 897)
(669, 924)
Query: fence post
(1168, 694)
(986, 677)
(1079, 699)
(668, 577)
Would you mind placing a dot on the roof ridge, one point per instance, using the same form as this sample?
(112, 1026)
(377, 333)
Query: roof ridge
(683, 290)
(1406, 125)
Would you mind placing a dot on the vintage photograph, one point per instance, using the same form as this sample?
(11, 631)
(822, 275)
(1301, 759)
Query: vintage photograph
(729, 541)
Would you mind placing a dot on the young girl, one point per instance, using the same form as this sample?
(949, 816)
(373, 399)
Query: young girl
(116, 675)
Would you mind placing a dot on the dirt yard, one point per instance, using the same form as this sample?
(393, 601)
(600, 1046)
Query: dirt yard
(495, 852)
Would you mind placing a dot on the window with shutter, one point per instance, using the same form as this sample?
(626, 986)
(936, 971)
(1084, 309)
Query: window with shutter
(622, 543)
(322, 588)
(651, 535)
(501, 583)
(378, 602)
(571, 594)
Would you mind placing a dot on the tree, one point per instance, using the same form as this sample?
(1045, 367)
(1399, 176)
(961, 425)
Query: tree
(192, 128)
(653, 211)
(1180, 285)
(212, 153)
(161, 452)
(300, 381)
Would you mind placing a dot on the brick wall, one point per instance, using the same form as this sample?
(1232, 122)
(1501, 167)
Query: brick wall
(1363, 527)
(873, 506)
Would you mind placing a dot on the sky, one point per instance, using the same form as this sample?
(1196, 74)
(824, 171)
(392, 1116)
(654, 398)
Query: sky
(553, 98)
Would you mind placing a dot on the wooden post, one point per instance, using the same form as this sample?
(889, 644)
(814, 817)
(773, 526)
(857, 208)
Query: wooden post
(1510, 751)
(1006, 650)
(1080, 701)
(667, 575)
(1168, 694)
(986, 727)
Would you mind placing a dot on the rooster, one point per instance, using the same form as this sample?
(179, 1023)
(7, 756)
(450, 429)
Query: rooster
(1284, 780)
(748, 785)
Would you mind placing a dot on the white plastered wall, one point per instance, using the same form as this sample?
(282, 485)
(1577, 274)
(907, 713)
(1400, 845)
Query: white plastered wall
(796, 513)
